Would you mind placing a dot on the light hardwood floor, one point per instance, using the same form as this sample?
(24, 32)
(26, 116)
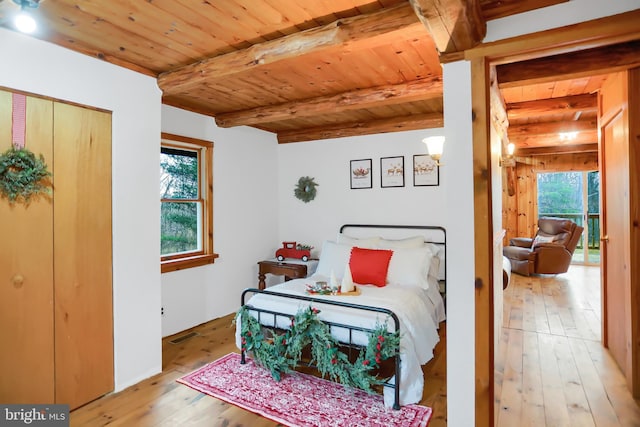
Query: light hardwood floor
(161, 401)
(551, 368)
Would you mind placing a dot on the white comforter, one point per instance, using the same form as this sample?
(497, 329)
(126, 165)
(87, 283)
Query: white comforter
(413, 306)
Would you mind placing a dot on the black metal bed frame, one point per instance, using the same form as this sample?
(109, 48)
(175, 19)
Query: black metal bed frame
(350, 328)
(350, 344)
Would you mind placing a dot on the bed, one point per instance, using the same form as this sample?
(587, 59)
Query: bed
(409, 298)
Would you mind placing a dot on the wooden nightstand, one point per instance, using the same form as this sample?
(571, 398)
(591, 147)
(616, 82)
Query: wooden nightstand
(289, 270)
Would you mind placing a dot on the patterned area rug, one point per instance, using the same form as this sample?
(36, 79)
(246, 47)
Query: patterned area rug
(298, 400)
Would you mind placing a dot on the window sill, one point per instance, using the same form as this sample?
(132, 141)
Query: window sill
(184, 263)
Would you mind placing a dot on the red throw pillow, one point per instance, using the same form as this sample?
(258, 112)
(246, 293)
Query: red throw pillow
(369, 266)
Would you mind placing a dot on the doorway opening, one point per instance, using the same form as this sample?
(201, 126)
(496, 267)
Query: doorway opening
(557, 46)
(574, 196)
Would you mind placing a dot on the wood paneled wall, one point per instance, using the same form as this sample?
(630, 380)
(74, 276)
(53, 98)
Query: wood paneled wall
(520, 210)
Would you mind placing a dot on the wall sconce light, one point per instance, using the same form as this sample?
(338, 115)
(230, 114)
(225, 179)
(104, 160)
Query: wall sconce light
(23, 21)
(509, 160)
(435, 145)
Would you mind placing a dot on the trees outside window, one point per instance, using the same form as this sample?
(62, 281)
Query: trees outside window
(560, 193)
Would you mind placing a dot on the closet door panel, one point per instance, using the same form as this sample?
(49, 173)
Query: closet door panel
(83, 255)
(26, 272)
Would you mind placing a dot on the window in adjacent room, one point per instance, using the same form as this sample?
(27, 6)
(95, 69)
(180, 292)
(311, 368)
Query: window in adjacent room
(574, 195)
(186, 195)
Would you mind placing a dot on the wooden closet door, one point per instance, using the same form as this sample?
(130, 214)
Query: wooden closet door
(82, 247)
(26, 272)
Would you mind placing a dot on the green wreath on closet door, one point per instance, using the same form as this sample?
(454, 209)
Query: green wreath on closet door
(22, 175)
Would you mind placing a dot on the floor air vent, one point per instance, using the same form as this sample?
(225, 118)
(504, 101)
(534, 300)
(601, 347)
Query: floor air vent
(185, 337)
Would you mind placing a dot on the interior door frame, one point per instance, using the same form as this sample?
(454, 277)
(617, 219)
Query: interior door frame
(597, 33)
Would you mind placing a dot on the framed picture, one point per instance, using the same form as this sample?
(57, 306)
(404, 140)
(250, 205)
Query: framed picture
(425, 171)
(361, 173)
(392, 171)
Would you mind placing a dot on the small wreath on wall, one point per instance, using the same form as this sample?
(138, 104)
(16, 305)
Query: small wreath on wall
(22, 174)
(306, 189)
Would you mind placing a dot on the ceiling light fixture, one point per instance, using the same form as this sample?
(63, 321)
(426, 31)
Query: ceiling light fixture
(23, 21)
(568, 136)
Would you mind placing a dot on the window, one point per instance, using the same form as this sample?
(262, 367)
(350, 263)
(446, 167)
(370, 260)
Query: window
(575, 196)
(186, 195)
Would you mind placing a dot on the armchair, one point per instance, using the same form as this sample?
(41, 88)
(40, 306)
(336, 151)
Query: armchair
(549, 252)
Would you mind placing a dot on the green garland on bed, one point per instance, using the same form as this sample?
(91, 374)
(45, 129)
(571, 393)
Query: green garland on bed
(281, 352)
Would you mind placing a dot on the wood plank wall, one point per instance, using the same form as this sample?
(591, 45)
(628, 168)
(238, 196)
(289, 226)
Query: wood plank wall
(520, 211)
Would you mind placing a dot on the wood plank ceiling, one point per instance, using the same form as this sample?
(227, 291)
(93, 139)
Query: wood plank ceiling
(319, 69)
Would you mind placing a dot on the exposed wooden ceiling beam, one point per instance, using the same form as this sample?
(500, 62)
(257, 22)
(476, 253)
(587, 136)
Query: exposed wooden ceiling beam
(551, 128)
(600, 60)
(455, 25)
(563, 149)
(369, 28)
(395, 124)
(533, 141)
(587, 137)
(545, 107)
(427, 88)
(547, 134)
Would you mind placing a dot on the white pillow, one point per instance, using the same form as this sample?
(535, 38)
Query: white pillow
(367, 242)
(410, 267)
(437, 264)
(409, 242)
(434, 268)
(542, 239)
(334, 257)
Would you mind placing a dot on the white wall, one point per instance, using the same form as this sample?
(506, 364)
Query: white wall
(327, 161)
(245, 217)
(44, 69)
(459, 210)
